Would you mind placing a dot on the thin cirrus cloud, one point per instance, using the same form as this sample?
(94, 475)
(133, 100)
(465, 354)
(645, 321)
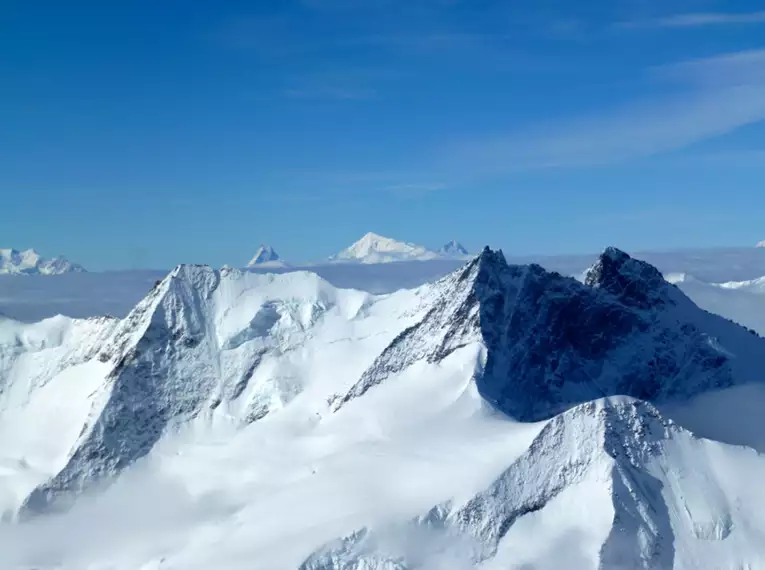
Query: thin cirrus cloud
(416, 188)
(697, 20)
(711, 19)
(719, 95)
(331, 92)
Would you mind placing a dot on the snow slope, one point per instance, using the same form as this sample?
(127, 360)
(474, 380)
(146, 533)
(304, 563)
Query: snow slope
(29, 262)
(495, 418)
(607, 484)
(373, 248)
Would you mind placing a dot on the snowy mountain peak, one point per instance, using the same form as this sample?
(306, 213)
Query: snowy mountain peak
(29, 262)
(453, 249)
(607, 445)
(265, 254)
(635, 282)
(374, 248)
(552, 342)
(490, 257)
(761, 244)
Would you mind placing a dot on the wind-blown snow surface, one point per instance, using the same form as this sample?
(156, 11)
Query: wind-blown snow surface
(488, 420)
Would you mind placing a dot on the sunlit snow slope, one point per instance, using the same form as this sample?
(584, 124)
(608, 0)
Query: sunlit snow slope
(373, 248)
(502, 417)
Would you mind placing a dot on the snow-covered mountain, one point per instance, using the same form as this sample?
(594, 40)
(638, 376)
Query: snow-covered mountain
(266, 256)
(503, 416)
(29, 262)
(761, 244)
(373, 248)
(454, 250)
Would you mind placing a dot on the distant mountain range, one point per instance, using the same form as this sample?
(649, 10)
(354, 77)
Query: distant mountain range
(374, 248)
(29, 262)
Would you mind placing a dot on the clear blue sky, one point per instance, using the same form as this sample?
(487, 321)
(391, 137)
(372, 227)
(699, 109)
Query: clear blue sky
(147, 133)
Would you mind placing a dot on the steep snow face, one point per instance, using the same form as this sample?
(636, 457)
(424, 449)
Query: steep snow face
(552, 342)
(629, 487)
(266, 256)
(373, 248)
(29, 262)
(49, 379)
(224, 347)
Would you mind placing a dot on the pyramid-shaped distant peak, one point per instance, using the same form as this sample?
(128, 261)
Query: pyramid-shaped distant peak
(453, 249)
(265, 254)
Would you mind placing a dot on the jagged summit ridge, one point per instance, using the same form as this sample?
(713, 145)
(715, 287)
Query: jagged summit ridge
(29, 262)
(551, 342)
(636, 283)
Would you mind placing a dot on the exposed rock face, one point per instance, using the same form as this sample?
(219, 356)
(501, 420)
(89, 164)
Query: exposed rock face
(552, 342)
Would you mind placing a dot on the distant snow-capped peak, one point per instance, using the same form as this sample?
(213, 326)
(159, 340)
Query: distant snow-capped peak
(453, 249)
(761, 244)
(265, 255)
(29, 262)
(374, 248)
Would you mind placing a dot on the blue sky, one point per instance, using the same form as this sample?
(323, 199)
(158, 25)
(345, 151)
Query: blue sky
(145, 133)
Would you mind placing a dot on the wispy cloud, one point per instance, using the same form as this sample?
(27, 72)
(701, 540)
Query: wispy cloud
(331, 92)
(426, 43)
(699, 19)
(719, 95)
(738, 68)
(411, 190)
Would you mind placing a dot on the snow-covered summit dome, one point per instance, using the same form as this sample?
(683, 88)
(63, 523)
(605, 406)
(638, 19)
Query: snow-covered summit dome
(374, 248)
